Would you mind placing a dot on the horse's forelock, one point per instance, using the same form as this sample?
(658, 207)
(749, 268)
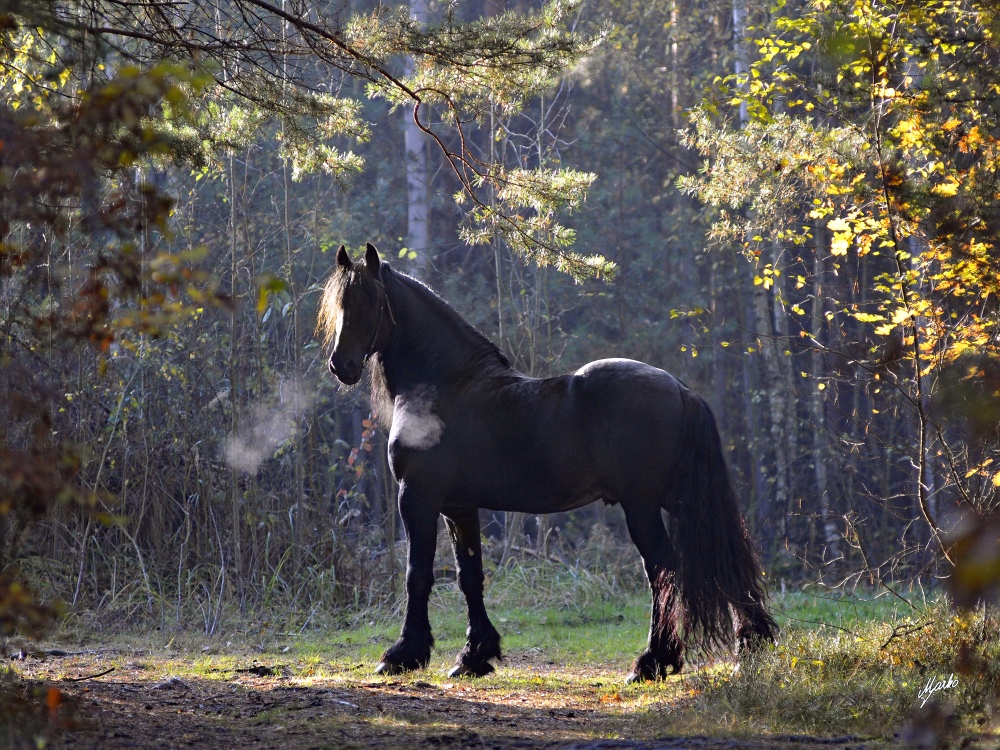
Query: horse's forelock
(330, 305)
(332, 301)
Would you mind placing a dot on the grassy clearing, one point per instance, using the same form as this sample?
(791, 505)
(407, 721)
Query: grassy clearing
(845, 663)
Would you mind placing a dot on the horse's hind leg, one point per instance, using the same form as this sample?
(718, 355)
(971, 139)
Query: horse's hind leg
(413, 649)
(483, 642)
(664, 653)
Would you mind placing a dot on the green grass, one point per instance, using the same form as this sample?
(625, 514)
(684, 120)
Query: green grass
(845, 663)
(817, 607)
(604, 632)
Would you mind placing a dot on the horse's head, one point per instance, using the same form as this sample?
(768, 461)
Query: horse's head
(353, 314)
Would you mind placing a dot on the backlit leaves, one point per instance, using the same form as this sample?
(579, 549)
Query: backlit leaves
(878, 119)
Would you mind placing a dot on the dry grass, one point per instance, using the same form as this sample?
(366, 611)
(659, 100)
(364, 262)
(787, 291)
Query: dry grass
(864, 680)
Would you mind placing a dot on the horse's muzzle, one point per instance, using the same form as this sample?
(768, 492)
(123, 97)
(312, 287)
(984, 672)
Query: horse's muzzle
(347, 373)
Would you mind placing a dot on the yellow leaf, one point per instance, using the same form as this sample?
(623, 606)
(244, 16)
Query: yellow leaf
(947, 188)
(840, 244)
(868, 317)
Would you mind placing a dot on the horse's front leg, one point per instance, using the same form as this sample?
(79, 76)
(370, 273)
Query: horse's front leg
(413, 649)
(483, 642)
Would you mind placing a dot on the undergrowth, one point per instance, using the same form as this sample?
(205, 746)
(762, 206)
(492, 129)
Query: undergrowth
(366, 584)
(863, 677)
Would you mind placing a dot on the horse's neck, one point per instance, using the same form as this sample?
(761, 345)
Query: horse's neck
(431, 344)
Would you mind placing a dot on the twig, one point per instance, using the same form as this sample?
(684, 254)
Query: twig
(896, 594)
(109, 670)
(824, 624)
(902, 630)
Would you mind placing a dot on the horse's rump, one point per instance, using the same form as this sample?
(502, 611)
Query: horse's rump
(631, 414)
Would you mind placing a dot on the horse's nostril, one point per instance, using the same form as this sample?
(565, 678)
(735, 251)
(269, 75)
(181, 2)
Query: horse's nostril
(333, 370)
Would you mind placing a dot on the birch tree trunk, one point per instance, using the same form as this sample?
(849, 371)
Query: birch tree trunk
(739, 47)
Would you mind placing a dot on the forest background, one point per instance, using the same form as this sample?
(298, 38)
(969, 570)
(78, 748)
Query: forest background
(792, 208)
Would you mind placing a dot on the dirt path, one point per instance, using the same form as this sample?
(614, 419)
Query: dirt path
(138, 706)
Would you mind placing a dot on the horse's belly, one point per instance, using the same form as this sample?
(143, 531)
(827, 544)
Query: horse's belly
(537, 487)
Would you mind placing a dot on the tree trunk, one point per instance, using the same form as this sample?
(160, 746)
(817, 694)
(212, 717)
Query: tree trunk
(418, 238)
(776, 398)
(786, 384)
(817, 407)
(235, 391)
(739, 47)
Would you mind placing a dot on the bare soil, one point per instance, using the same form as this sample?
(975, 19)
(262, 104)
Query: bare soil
(137, 704)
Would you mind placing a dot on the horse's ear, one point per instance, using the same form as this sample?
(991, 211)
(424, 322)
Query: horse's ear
(372, 260)
(343, 259)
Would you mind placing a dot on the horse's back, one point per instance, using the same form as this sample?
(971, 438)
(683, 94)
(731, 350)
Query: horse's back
(617, 371)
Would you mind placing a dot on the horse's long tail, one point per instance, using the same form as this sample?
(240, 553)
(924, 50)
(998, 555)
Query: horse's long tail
(718, 568)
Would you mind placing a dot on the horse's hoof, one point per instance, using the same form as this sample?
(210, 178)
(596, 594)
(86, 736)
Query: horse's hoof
(635, 677)
(464, 670)
(649, 667)
(388, 669)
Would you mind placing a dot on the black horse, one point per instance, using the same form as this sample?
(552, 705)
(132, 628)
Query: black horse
(468, 431)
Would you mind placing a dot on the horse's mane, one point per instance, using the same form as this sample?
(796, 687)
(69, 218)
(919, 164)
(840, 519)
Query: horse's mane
(472, 353)
(483, 346)
(382, 402)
